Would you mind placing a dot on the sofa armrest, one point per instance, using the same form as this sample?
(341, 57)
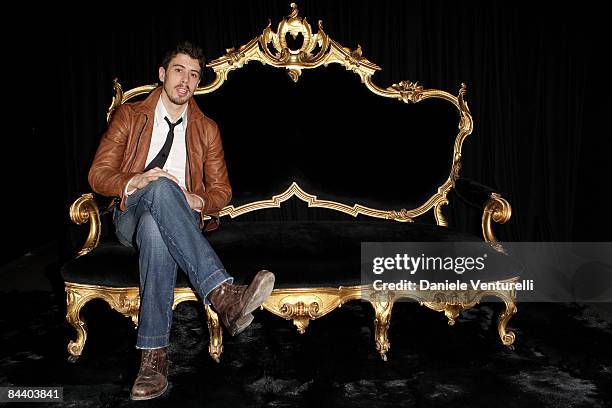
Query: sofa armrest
(494, 207)
(85, 209)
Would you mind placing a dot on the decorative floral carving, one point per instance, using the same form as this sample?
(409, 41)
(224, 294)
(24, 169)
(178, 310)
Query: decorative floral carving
(354, 57)
(382, 301)
(235, 57)
(401, 215)
(456, 167)
(408, 91)
(283, 55)
(300, 313)
(129, 305)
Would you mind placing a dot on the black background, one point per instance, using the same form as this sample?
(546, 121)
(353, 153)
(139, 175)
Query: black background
(536, 76)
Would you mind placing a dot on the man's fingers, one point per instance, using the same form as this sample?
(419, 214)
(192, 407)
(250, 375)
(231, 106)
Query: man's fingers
(152, 175)
(154, 170)
(146, 180)
(170, 176)
(162, 173)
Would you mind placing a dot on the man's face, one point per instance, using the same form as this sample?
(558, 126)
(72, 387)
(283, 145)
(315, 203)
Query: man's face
(181, 78)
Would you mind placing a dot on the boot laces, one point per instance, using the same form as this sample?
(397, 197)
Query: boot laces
(151, 359)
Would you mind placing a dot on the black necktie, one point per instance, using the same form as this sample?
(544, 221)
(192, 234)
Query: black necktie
(160, 159)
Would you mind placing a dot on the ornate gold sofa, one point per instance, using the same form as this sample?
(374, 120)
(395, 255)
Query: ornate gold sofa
(312, 279)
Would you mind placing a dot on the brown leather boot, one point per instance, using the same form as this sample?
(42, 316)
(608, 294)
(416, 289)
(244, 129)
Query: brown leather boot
(152, 379)
(234, 303)
(243, 322)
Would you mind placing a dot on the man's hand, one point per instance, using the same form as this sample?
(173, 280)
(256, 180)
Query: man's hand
(195, 202)
(142, 180)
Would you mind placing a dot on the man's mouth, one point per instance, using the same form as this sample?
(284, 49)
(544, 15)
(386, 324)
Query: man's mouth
(182, 91)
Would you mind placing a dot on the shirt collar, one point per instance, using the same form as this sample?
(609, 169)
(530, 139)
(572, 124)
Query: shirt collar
(161, 112)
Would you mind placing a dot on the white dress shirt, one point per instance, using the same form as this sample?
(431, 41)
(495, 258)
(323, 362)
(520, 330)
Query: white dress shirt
(175, 164)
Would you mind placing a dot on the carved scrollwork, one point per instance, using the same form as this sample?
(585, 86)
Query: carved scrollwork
(272, 48)
(382, 301)
(128, 303)
(117, 99)
(408, 91)
(215, 346)
(235, 57)
(452, 303)
(354, 57)
(300, 313)
(120, 97)
(294, 190)
(123, 300)
(402, 215)
(466, 124)
(84, 209)
(440, 218)
(507, 337)
(302, 305)
(499, 210)
(74, 303)
(456, 170)
(294, 25)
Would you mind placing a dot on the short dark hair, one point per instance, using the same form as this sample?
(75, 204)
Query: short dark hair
(187, 48)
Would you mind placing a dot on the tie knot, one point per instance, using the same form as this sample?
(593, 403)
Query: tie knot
(172, 125)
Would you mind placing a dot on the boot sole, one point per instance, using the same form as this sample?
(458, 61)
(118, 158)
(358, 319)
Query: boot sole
(241, 324)
(148, 397)
(260, 294)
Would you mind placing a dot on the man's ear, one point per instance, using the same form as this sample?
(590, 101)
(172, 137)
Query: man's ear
(162, 74)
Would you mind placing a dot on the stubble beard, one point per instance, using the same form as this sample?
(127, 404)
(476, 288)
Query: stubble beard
(177, 100)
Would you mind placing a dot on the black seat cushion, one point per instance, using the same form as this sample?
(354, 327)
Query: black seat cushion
(300, 253)
(110, 264)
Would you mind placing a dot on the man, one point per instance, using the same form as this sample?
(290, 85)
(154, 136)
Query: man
(164, 159)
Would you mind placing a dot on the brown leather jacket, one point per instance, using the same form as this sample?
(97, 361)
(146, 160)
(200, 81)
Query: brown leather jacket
(125, 144)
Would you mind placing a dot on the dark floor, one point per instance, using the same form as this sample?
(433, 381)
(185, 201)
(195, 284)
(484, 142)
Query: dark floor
(562, 357)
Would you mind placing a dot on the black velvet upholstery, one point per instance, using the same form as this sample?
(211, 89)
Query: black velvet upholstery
(300, 253)
(110, 264)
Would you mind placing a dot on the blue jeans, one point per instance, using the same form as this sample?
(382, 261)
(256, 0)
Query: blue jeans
(165, 230)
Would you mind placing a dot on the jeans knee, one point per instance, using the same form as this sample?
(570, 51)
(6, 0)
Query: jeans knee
(163, 185)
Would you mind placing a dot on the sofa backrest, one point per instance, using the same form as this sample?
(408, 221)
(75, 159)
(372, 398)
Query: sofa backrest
(326, 134)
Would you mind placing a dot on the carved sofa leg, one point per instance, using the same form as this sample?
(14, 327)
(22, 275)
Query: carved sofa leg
(383, 305)
(215, 346)
(74, 303)
(123, 300)
(507, 337)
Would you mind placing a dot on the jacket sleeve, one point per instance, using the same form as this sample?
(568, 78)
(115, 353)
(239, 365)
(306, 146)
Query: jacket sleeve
(105, 176)
(218, 191)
